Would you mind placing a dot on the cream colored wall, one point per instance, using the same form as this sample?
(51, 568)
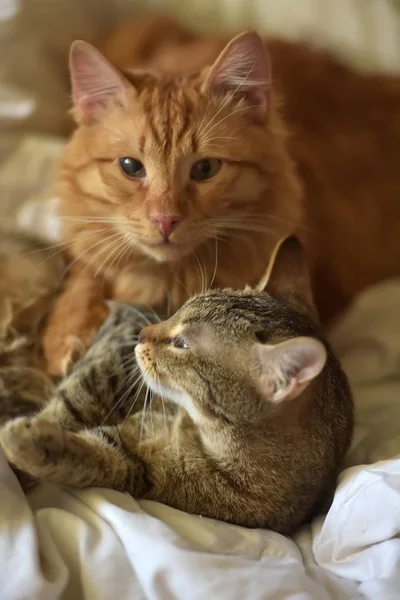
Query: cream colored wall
(364, 32)
(35, 36)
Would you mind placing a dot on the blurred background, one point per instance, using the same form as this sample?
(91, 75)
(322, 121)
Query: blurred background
(35, 36)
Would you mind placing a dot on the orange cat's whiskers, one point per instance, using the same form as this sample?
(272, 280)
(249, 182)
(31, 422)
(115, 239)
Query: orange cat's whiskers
(268, 218)
(210, 141)
(188, 294)
(50, 247)
(88, 266)
(207, 231)
(243, 224)
(130, 238)
(112, 249)
(202, 272)
(93, 219)
(234, 112)
(101, 242)
(63, 247)
(125, 250)
(216, 264)
(201, 126)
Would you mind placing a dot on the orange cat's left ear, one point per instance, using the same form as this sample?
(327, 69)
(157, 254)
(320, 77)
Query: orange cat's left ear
(242, 70)
(95, 82)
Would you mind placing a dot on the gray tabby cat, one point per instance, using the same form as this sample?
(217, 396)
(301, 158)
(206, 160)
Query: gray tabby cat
(263, 413)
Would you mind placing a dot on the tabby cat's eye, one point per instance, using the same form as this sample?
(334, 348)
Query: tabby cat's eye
(178, 342)
(205, 169)
(132, 168)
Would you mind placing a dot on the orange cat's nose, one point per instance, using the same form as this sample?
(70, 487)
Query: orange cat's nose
(166, 223)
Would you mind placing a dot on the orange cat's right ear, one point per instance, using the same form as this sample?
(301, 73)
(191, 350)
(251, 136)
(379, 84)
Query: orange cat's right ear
(242, 71)
(287, 277)
(94, 82)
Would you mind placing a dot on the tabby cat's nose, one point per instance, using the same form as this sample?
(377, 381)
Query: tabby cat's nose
(166, 223)
(147, 335)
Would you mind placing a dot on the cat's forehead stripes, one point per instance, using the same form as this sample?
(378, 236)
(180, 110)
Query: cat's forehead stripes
(221, 308)
(240, 311)
(169, 112)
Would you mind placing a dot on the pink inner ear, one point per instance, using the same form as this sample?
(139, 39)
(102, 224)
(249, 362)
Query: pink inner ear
(285, 369)
(94, 80)
(243, 69)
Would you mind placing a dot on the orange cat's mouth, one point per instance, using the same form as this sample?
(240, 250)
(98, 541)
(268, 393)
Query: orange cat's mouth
(164, 244)
(165, 250)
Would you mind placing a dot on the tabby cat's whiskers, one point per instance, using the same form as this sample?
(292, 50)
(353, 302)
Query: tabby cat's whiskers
(130, 408)
(142, 420)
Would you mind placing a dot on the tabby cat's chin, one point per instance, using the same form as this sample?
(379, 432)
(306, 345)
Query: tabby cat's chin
(154, 379)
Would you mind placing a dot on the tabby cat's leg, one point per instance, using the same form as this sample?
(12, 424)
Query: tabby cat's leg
(92, 457)
(94, 394)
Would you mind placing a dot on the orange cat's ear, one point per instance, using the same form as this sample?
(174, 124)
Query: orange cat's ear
(94, 82)
(242, 70)
(287, 277)
(284, 370)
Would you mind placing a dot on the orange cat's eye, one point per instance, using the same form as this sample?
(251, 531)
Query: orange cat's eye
(205, 169)
(132, 168)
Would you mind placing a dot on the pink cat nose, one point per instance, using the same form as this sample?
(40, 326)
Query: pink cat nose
(166, 223)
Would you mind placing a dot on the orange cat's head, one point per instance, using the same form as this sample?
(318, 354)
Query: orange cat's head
(171, 163)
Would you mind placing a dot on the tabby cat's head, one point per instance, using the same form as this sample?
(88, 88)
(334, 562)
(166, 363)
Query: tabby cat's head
(172, 162)
(232, 355)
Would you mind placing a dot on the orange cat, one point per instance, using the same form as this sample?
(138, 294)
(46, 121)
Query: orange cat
(176, 180)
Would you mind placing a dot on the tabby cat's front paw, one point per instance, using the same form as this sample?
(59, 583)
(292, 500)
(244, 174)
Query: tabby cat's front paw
(31, 446)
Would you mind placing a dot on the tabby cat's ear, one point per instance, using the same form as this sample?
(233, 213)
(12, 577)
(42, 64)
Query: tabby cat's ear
(242, 70)
(284, 370)
(94, 82)
(287, 277)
